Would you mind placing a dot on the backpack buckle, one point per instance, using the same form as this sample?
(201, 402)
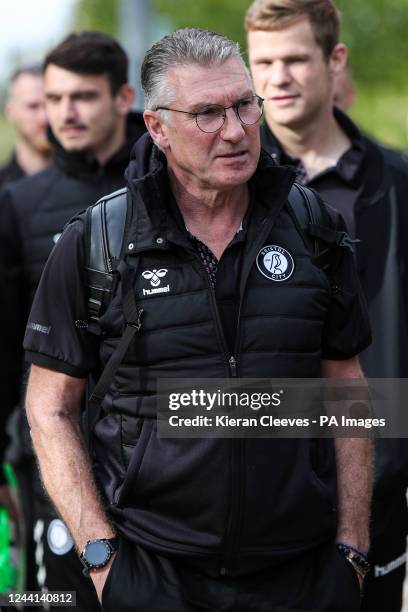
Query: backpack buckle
(138, 323)
(345, 240)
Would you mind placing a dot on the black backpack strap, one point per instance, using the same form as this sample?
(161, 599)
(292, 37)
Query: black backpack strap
(307, 208)
(133, 323)
(105, 224)
(317, 226)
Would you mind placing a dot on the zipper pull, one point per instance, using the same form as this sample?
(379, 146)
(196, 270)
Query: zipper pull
(233, 366)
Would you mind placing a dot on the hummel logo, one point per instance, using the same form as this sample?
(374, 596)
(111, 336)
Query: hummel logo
(43, 329)
(154, 276)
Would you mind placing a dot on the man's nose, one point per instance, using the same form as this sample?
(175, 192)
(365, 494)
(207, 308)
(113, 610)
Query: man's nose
(278, 74)
(67, 110)
(232, 129)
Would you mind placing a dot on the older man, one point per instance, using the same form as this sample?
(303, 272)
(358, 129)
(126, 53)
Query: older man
(204, 524)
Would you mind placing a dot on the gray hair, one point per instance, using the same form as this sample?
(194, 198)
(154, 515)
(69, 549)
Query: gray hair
(182, 48)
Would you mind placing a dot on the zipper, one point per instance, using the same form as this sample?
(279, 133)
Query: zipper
(230, 359)
(238, 447)
(233, 372)
(232, 362)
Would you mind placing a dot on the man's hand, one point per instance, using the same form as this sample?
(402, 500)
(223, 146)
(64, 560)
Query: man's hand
(99, 577)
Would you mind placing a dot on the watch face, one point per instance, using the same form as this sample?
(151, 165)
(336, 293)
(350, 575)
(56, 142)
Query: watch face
(97, 553)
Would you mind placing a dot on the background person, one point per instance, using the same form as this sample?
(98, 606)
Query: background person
(88, 100)
(295, 58)
(25, 109)
(345, 90)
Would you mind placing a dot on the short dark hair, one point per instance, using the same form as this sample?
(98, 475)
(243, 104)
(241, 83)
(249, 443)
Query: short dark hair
(91, 52)
(31, 69)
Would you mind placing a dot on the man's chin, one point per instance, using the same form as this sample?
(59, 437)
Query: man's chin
(43, 147)
(229, 180)
(284, 118)
(74, 147)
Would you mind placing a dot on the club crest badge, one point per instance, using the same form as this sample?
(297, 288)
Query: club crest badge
(275, 263)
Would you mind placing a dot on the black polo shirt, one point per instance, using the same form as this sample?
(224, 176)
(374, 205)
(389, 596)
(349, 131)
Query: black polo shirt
(339, 185)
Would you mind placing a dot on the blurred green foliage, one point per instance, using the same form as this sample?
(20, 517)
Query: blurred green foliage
(7, 138)
(382, 112)
(224, 16)
(96, 15)
(376, 34)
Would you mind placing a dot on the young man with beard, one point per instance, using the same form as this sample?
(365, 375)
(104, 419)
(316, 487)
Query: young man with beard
(88, 100)
(295, 56)
(25, 109)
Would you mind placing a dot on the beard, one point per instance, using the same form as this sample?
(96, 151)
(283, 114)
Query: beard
(41, 145)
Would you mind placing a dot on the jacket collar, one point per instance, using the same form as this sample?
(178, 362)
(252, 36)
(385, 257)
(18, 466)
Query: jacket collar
(153, 224)
(365, 167)
(83, 164)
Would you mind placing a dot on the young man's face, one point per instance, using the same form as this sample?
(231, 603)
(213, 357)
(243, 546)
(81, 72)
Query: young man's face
(82, 112)
(290, 71)
(219, 160)
(26, 110)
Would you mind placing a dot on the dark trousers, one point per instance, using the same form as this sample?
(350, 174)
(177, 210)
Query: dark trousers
(383, 588)
(319, 581)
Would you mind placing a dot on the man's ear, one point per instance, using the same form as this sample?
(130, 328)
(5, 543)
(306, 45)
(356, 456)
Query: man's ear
(338, 59)
(124, 99)
(157, 128)
(9, 111)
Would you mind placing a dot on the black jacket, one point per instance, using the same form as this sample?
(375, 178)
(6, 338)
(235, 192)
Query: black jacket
(34, 211)
(376, 185)
(10, 171)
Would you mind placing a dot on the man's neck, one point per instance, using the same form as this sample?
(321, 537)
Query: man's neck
(318, 144)
(212, 216)
(113, 144)
(29, 159)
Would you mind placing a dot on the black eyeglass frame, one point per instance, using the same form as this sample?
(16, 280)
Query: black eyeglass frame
(225, 108)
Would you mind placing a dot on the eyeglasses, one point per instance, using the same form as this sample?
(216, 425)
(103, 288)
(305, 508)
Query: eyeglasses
(210, 120)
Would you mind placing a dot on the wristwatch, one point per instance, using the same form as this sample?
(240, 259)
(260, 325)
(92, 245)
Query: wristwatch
(97, 553)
